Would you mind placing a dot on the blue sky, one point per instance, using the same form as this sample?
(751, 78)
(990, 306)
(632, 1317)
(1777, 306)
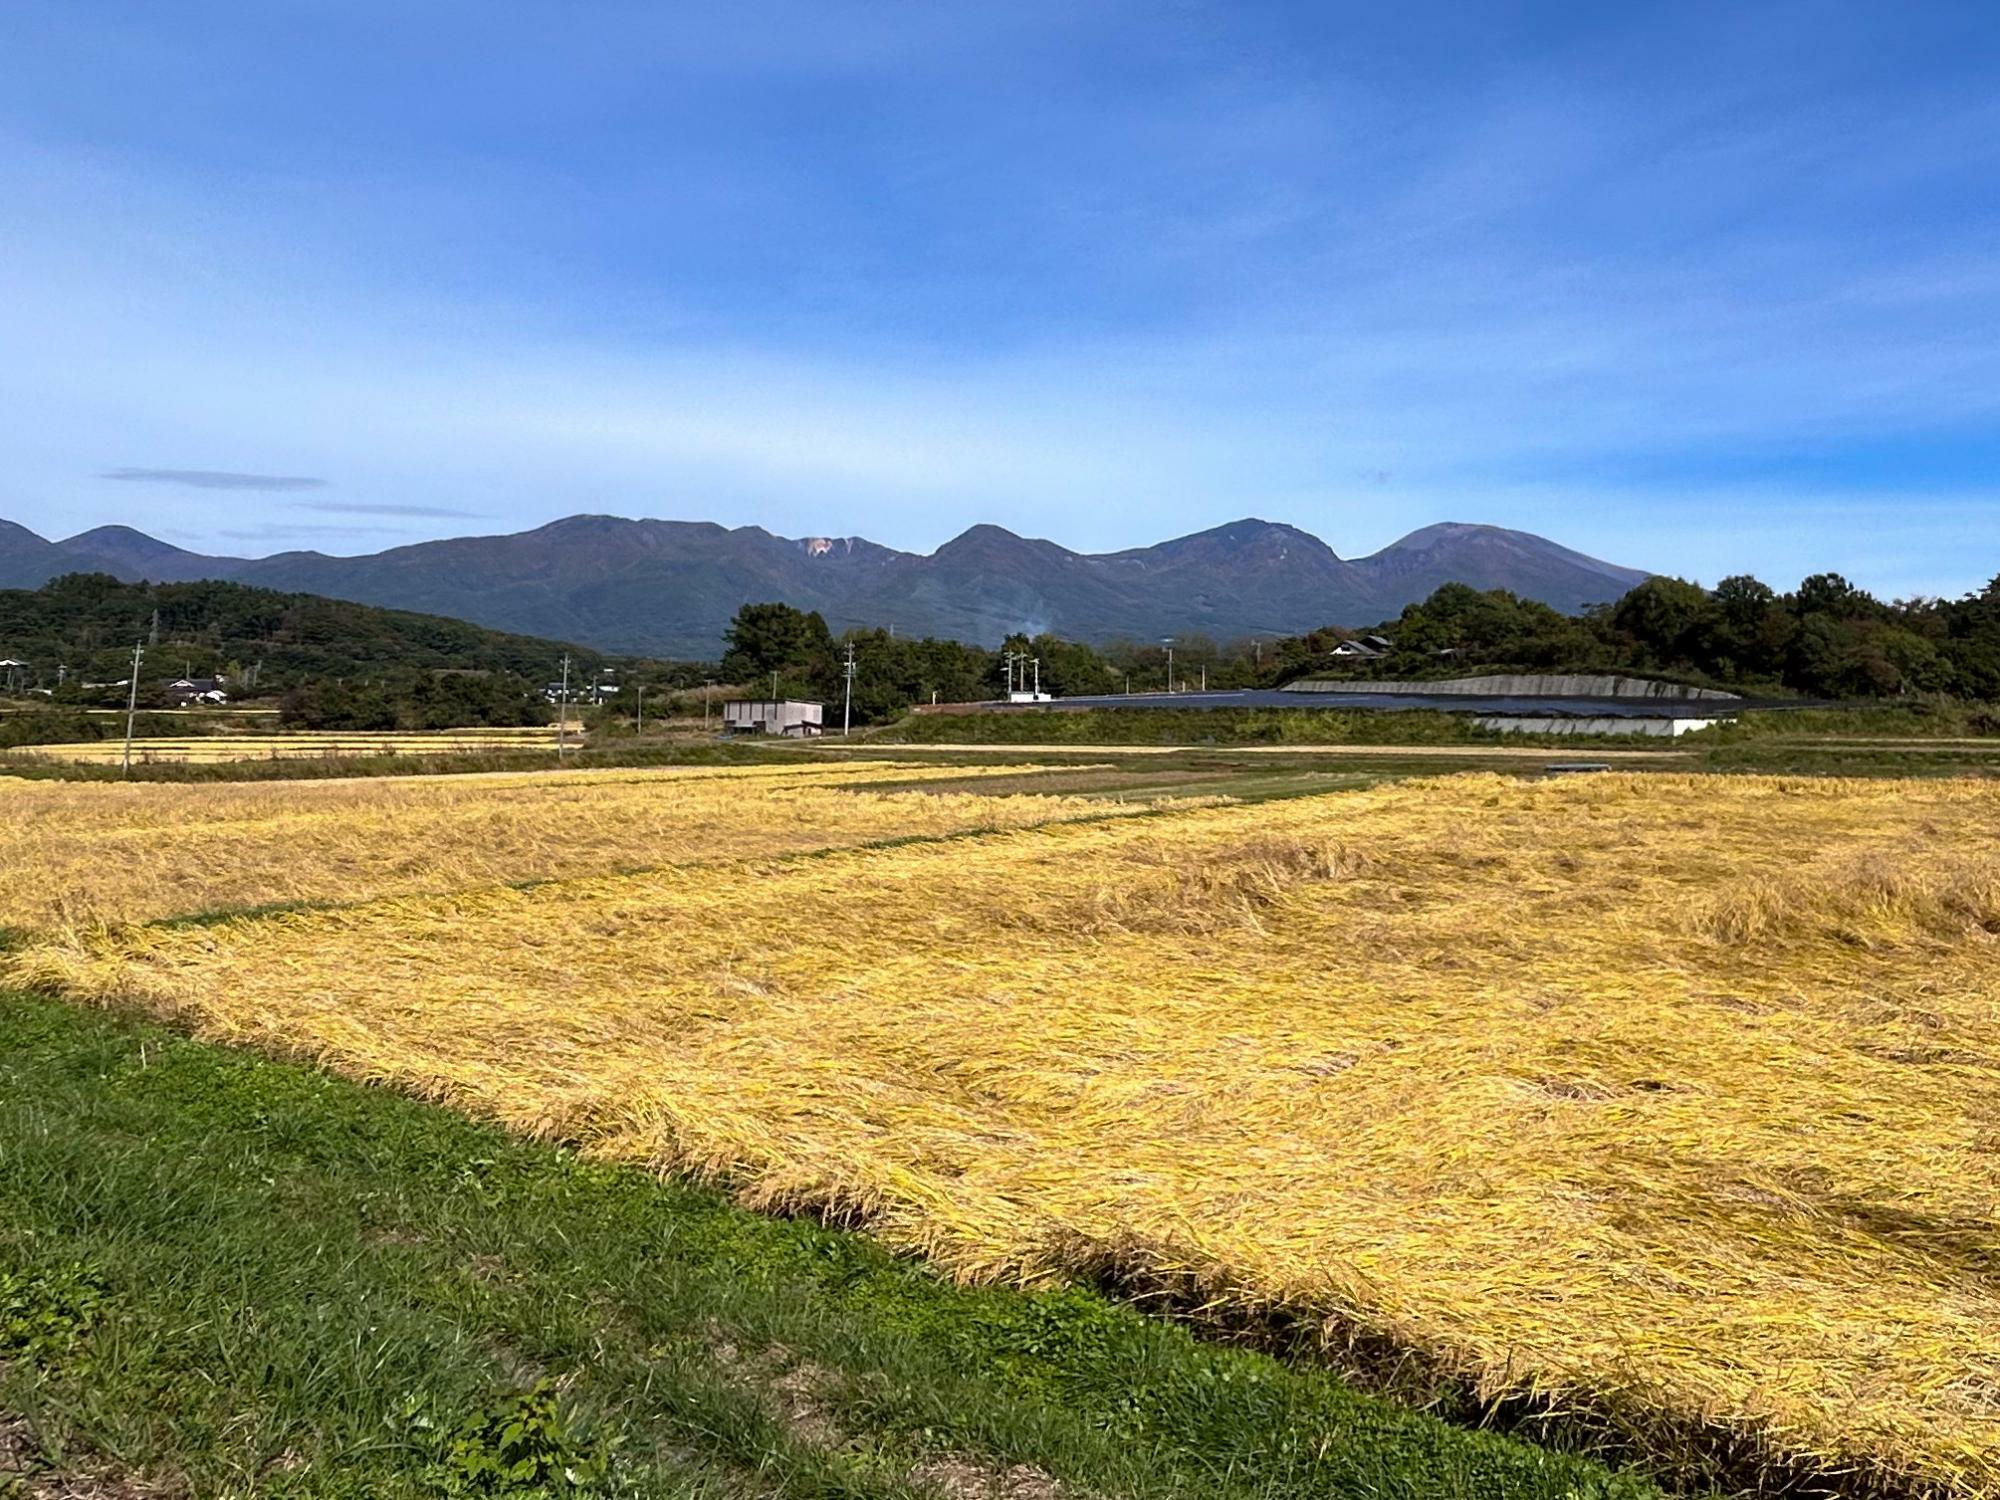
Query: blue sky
(1698, 288)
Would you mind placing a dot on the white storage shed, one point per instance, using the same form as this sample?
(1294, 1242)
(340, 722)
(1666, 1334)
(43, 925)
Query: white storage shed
(793, 717)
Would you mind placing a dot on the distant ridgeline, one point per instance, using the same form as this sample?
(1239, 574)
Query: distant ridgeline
(668, 588)
(1241, 600)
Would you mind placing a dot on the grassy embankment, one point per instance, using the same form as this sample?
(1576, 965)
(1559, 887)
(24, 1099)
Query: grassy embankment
(1925, 738)
(32, 724)
(221, 1276)
(1916, 718)
(1175, 726)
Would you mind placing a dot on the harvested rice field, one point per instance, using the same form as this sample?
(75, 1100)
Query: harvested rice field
(83, 852)
(214, 749)
(1671, 1101)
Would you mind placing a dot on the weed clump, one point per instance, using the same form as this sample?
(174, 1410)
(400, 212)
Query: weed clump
(525, 1447)
(45, 1314)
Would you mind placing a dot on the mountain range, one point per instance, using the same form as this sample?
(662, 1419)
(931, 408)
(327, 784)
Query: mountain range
(669, 587)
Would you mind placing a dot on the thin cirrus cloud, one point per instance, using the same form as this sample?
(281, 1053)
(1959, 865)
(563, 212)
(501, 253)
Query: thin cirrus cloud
(216, 479)
(291, 536)
(428, 512)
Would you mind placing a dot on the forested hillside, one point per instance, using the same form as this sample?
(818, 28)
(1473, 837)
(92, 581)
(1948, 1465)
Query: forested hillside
(1824, 639)
(330, 663)
(88, 622)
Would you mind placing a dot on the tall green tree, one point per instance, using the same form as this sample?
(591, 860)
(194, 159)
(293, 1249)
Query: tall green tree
(767, 638)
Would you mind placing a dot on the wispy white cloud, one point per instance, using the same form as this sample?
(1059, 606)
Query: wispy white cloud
(215, 479)
(413, 512)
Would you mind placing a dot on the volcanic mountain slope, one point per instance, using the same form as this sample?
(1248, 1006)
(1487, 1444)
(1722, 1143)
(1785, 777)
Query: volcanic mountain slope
(661, 586)
(1246, 578)
(1532, 566)
(670, 587)
(26, 559)
(132, 555)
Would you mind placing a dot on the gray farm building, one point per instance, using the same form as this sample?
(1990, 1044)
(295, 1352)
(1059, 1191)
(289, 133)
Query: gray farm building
(793, 717)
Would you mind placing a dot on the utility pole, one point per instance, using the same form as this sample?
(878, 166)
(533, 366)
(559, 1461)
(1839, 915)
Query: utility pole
(1038, 677)
(706, 684)
(562, 711)
(774, 689)
(132, 699)
(1204, 677)
(1168, 642)
(642, 710)
(847, 703)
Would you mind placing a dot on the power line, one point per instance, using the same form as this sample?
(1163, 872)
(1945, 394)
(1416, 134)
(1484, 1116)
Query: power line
(562, 711)
(847, 704)
(132, 699)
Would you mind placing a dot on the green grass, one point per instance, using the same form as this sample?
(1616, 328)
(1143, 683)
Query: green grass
(1196, 726)
(1134, 780)
(39, 724)
(1146, 779)
(1923, 717)
(1829, 742)
(1809, 758)
(238, 1277)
